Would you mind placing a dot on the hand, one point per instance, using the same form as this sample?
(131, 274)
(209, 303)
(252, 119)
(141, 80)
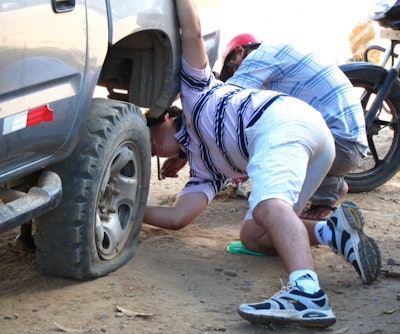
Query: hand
(172, 166)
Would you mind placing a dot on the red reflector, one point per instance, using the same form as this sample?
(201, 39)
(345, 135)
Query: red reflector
(39, 114)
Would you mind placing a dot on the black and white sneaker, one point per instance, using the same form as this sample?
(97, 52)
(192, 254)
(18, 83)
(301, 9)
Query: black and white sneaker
(350, 241)
(291, 305)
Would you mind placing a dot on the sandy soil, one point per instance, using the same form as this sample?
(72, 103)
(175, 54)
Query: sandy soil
(185, 281)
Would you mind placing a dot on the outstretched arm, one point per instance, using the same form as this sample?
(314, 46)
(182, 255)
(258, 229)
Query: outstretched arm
(193, 49)
(185, 209)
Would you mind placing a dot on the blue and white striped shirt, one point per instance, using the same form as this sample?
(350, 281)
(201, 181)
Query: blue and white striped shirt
(306, 76)
(213, 130)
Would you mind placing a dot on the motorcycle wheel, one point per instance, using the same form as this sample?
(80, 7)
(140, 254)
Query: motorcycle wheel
(95, 229)
(383, 159)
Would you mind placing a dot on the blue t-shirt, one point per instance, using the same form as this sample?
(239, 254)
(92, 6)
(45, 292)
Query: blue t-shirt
(306, 76)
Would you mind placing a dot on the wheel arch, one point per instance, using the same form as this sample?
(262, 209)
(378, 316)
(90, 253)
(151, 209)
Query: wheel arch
(143, 68)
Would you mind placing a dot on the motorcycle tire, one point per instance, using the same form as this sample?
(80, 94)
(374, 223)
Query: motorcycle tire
(383, 159)
(95, 229)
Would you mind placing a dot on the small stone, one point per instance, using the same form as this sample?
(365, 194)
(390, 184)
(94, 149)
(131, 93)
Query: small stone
(392, 262)
(207, 327)
(8, 317)
(221, 329)
(231, 273)
(247, 283)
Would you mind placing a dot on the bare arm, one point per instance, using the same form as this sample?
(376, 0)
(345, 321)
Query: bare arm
(185, 209)
(193, 49)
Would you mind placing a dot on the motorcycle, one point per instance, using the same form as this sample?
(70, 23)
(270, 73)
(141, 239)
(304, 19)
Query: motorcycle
(379, 89)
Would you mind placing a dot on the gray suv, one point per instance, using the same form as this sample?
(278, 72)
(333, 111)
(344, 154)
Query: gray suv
(78, 167)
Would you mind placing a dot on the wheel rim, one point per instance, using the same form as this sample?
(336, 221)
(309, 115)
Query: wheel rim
(118, 201)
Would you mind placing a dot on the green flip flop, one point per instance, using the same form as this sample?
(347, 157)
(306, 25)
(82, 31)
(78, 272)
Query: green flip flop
(235, 247)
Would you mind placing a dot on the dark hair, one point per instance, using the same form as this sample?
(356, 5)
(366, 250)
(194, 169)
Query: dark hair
(227, 69)
(172, 111)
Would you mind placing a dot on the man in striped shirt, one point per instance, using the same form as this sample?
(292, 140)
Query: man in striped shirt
(286, 149)
(248, 63)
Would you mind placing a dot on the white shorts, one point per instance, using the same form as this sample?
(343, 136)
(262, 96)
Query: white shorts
(291, 150)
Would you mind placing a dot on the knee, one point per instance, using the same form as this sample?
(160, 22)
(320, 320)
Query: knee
(347, 158)
(271, 210)
(246, 235)
(254, 238)
(263, 212)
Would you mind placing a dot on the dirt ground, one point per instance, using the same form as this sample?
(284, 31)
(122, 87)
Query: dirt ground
(185, 281)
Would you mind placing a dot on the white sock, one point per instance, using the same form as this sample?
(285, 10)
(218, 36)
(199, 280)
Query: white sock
(323, 233)
(306, 280)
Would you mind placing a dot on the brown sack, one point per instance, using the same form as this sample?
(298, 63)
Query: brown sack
(359, 39)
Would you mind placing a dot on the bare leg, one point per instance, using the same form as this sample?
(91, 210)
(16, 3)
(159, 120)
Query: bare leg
(255, 238)
(286, 232)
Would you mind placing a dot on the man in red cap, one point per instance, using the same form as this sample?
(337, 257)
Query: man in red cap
(249, 63)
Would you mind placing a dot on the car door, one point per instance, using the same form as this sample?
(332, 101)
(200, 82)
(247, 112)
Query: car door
(42, 61)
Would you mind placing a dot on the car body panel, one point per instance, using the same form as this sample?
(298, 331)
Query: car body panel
(37, 71)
